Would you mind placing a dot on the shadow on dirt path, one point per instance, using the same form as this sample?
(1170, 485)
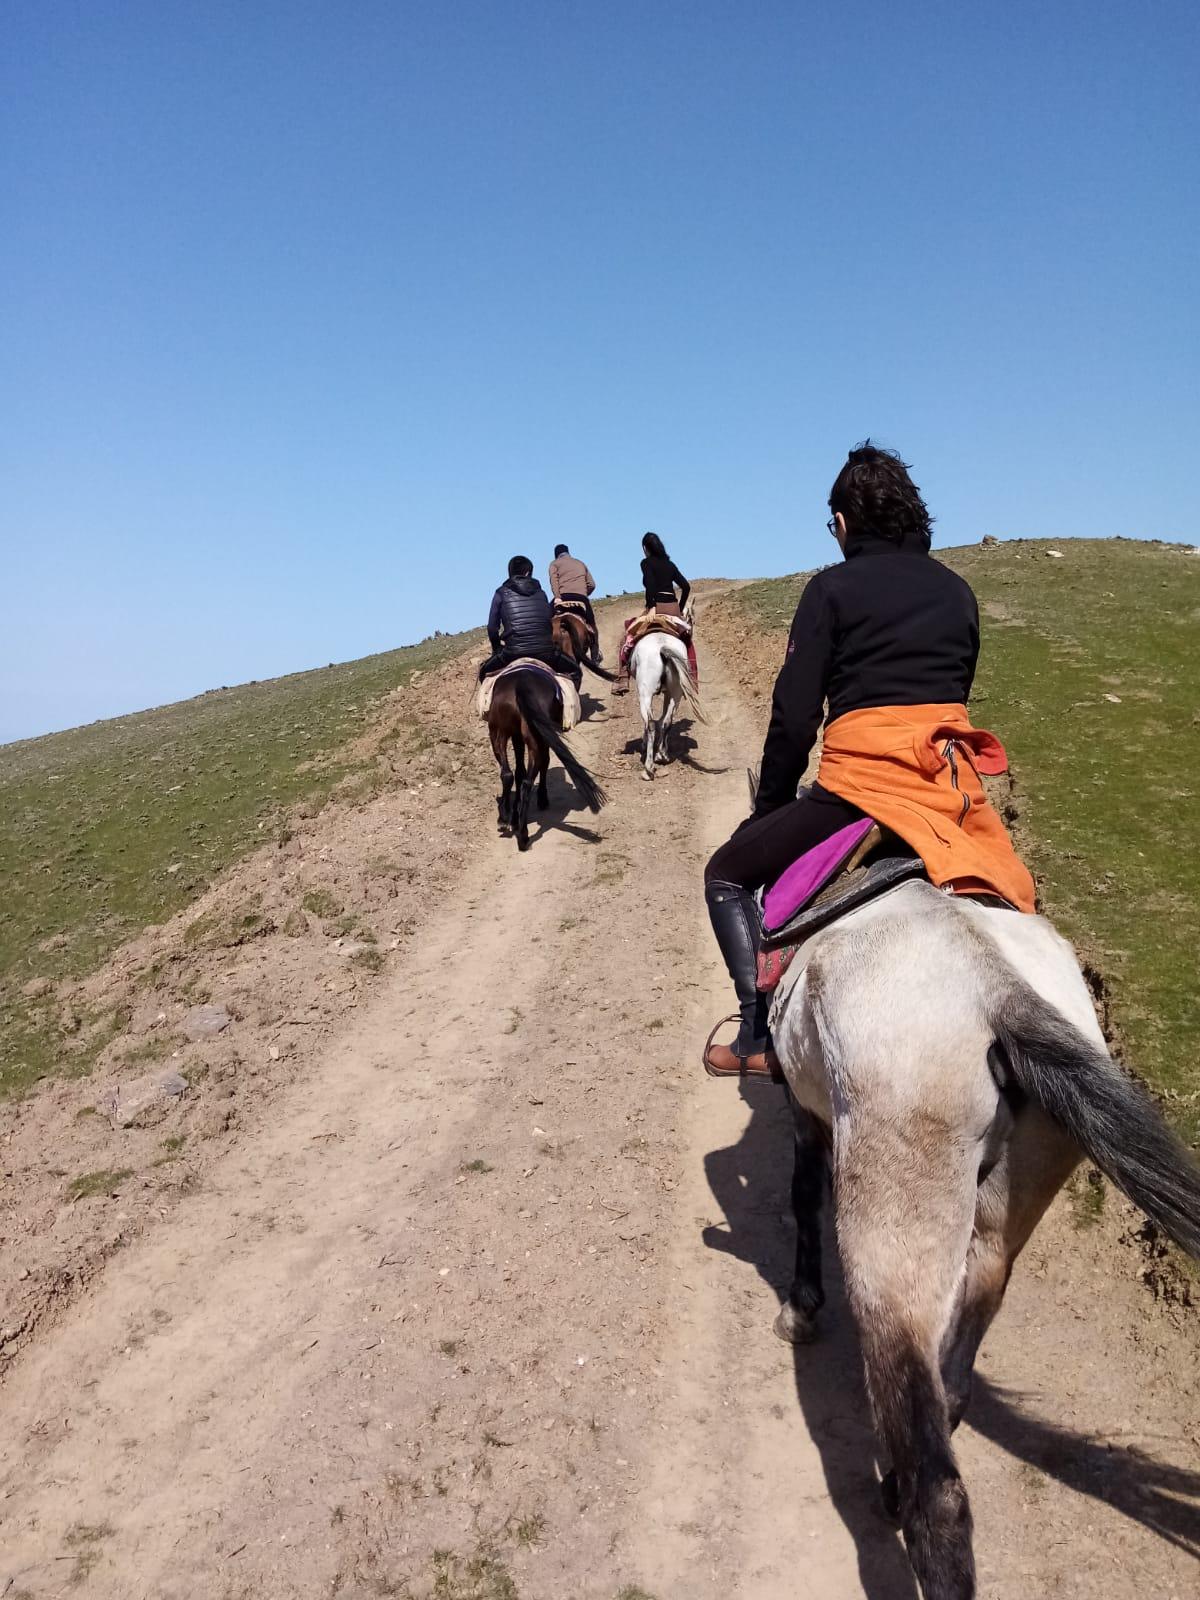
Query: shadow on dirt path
(750, 1181)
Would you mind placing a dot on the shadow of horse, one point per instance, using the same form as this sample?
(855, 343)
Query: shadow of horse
(563, 800)
(751, 1181)
(682, 746)
(1162, 1497)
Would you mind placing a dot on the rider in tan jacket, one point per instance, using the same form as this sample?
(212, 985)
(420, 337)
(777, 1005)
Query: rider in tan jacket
(571, 581)
(569, 577)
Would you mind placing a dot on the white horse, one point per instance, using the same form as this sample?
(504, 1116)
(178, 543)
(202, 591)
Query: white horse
(950, 1056)
(659, 666)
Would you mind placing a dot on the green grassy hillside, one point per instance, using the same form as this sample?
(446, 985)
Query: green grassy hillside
(107, 828)
(1090, 673)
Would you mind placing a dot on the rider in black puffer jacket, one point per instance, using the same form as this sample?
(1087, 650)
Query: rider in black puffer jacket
(519, 624)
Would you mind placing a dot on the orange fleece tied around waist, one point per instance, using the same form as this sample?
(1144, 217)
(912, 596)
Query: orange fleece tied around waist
(915, 769)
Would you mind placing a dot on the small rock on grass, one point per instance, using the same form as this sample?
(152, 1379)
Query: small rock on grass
(124, 1103)
(36, 988)
(205, 1022)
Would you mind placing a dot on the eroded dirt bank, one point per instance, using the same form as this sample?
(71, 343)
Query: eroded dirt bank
(476, 1300)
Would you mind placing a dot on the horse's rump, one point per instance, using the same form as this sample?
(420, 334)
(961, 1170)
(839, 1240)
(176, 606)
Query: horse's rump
(564, 687)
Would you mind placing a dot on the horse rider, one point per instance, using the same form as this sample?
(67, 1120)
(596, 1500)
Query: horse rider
(662, 579)
(571, 582)
(519, 625)
(889, 638)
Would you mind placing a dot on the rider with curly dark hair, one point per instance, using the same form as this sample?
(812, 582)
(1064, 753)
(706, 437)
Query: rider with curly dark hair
(888, 638)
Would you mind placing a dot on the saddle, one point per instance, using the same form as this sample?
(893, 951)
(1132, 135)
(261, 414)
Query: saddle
(568, 694)
(856, 865)
(639, 627)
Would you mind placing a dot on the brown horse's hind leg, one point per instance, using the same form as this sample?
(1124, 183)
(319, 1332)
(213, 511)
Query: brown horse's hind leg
(528, 756)
(499, 740)
(543, 794)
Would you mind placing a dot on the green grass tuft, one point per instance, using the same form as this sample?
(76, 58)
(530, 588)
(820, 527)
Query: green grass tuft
(90, 1184)
(478, 1577)
(322, 903)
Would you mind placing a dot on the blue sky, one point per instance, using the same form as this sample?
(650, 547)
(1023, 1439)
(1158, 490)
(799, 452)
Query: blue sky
(316, 313)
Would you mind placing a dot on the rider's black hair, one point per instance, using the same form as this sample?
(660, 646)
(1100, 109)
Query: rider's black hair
(653, 546)
(560, 550)
(875, 494)
(520, 567)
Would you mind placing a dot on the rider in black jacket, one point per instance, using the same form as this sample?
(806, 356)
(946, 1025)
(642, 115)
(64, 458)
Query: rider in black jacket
(519, 624)
(888, 626)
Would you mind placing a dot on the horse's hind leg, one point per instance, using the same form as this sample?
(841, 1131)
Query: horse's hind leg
(517, 789)
(905, 1209)
(543, 794)
(797, 1319)
(500, 751)
(529, 759)
(1034, 1163)
(646, 707)
(670, 707)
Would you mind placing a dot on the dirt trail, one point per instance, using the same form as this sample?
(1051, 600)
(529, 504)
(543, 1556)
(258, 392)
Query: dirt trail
(480, 1307)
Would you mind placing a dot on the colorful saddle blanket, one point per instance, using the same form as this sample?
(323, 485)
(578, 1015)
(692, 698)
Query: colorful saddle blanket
(567, 692)
(638, 627)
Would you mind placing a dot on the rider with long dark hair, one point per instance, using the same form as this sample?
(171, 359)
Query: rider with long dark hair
(889, 639)
(667, 592)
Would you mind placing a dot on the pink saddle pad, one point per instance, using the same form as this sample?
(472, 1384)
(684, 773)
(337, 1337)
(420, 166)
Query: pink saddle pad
(804, 878)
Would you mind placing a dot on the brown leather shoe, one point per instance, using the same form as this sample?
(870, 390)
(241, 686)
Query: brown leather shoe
(722, 1062)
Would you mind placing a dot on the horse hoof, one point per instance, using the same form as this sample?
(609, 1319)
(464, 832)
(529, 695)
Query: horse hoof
(794, 1326)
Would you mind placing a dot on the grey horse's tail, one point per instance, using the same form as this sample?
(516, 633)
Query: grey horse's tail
(593, 795)
(1109, 1116)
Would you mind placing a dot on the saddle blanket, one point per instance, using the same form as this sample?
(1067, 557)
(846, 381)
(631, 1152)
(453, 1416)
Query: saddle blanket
(567, 692)
(638, 627)
(802, 880)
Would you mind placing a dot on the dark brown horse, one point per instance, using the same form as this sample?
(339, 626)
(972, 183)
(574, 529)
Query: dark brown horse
(526, 711)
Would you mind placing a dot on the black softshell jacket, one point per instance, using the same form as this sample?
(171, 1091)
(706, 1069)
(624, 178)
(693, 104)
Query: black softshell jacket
(888, 626)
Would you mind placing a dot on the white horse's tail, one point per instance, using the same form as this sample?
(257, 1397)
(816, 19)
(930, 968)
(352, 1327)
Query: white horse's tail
(687, 684)
(1109, 1116)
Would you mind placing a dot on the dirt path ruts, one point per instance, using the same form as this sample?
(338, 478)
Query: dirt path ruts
(486, 1299)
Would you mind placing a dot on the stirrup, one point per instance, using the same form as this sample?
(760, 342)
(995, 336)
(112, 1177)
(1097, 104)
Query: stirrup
(774, 1071)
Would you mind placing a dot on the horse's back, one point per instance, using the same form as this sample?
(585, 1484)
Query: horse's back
(883, 1008)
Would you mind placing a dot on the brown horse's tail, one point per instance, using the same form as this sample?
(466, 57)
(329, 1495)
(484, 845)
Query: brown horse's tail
(536, 718)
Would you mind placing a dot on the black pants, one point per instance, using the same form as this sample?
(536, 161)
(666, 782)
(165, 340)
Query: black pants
(582, 599)
(764, 847)
(550, 654)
